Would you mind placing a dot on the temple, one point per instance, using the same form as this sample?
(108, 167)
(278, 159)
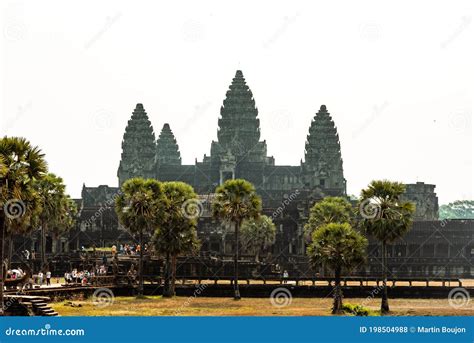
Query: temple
(288, 192)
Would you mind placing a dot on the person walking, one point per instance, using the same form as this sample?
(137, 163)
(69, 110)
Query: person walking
(48, 278)
(40, 278)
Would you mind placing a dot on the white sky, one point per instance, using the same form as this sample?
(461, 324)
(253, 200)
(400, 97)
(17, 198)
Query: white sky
(397, 80)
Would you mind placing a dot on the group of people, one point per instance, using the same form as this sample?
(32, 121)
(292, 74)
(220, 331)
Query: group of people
(14, 274)
(41, 277)
(84, 276)
(129, 249)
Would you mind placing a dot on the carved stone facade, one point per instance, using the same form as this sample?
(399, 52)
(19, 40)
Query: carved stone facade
(425, 198)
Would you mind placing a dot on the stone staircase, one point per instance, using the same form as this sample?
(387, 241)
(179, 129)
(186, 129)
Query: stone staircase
(41, 308)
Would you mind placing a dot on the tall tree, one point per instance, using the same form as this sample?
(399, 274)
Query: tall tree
(328, 210)
(55, 208)
(177, 233)
(139, 208)
(258, 234)
(459, 209)
(339, 247)
(65, 220)
(235, 201)
(386, 217)
(20, 164)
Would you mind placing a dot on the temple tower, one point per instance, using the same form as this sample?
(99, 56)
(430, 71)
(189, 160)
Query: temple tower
(239, 136)
(323, 162)
(138, 147)
(167, 150)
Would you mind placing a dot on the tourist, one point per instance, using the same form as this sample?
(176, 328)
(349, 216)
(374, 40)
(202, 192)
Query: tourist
(138, 249)
(114, 250)
(48, 278)
(285, 276)
(40, 278)
(121, 249)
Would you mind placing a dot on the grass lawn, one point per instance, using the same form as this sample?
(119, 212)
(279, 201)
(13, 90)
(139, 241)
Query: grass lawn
(206, 306)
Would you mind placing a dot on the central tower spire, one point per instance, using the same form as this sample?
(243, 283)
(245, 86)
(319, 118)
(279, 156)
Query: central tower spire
(239, 128)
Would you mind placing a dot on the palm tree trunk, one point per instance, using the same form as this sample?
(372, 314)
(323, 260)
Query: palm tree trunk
(173, 274)
(384, 307)
(43, 244)
(2, 275)
(10, 249)
(337, 306)
(236, 262)
(166, 288)
(140, 266)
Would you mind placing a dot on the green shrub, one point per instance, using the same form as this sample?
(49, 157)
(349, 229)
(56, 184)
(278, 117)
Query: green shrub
(355, 309)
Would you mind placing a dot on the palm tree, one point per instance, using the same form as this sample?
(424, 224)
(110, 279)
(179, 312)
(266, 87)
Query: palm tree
(386, 217)
(328, 210)
(51, 192)
(177, 233)
(20, 164)
(139, 208)
(66, 219)
(235, 201)
(339, 247)
(258, 234)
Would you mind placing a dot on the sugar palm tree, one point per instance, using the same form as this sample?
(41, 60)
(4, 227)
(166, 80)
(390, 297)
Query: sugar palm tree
(66, 218)
(386, 217)
(139, 208)
(339, 247)
(177, 233)
(258, 234)
(329, 210)
(20, 164)
(51, 192)
(235, 201)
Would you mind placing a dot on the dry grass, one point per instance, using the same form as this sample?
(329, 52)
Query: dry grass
(205, 306)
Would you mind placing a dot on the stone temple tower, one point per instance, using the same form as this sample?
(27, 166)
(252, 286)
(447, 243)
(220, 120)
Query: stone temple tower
(323, 162)
(239, 135)
(138, 147)
(167, 150)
